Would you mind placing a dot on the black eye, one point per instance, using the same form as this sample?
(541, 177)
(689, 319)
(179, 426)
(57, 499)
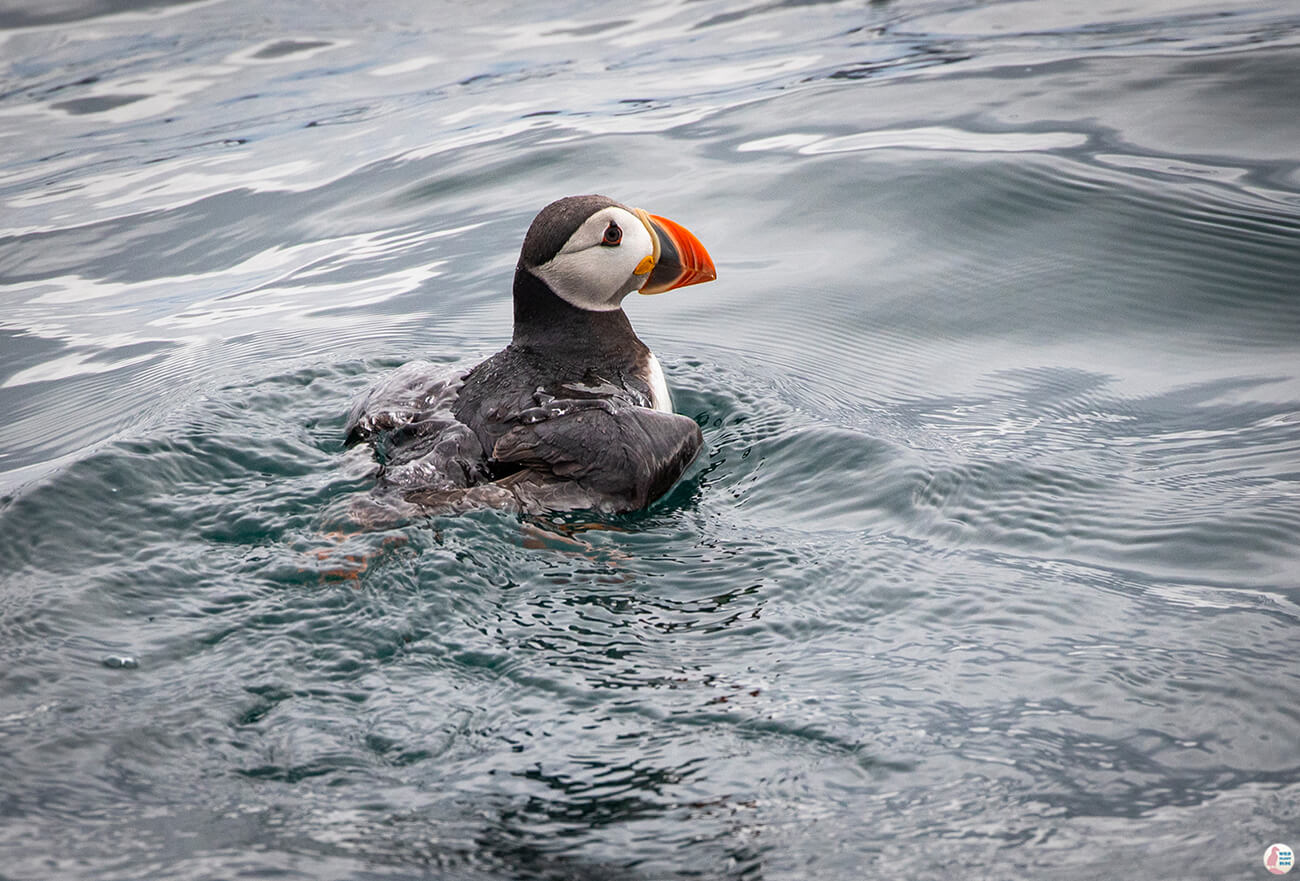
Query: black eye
(613, 234)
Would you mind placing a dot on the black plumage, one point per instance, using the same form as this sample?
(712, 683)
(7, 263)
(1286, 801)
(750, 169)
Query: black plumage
(562, 418)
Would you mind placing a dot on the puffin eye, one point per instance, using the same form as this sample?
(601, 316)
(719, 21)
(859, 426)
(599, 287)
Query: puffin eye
(613, 234)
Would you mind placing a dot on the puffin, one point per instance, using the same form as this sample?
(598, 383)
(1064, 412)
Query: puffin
(574, 414)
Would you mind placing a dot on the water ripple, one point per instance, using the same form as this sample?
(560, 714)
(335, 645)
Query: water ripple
(993, 537)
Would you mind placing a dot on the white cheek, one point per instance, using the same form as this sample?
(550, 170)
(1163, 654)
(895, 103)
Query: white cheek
(595, 277)
(637, 244)
(587, 279)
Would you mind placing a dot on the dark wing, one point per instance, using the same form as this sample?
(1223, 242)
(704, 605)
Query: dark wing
(420, 444)
(606, 456)
(407, 395)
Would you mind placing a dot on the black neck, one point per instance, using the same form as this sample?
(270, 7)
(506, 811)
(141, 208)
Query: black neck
(545, 321)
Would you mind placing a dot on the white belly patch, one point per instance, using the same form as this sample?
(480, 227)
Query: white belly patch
(659, 396)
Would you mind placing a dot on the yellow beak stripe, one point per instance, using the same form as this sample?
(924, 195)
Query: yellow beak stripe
(647, 263)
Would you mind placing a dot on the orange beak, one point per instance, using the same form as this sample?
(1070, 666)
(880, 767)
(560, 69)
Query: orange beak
(679, 258)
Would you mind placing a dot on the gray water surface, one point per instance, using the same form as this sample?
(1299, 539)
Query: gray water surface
(990, 569)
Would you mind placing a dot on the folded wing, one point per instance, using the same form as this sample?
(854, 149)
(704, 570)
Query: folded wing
(596, 454)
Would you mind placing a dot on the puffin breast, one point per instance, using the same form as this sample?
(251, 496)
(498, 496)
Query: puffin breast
(660, 398)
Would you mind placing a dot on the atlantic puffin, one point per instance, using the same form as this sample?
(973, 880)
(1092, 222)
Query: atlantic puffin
(573, 414)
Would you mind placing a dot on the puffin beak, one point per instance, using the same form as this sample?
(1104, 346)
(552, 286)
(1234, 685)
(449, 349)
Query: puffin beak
(679, 258)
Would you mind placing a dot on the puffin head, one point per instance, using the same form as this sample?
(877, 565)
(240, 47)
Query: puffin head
(592, 252)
